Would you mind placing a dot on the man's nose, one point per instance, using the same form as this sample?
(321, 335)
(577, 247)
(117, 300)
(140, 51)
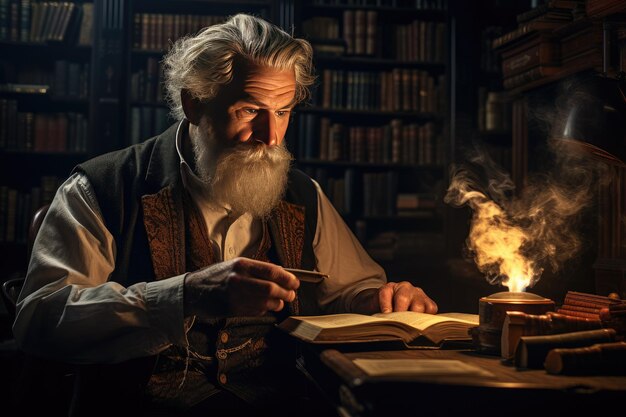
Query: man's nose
(265, 128)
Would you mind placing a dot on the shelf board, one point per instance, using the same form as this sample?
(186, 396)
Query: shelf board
(44, 96)
(348, 164)
(355, 60)
(207, 7)
(45, 50)
(148, 52)
(39, 154)
(371, 113)
(431, 14)
(209, 2)
(148, 104)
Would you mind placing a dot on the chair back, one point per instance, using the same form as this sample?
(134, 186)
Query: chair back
(12, 287)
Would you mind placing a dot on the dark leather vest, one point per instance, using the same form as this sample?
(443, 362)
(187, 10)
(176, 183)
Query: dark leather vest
(159, 233)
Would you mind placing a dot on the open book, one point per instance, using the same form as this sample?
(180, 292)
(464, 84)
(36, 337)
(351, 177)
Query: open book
(412, 328)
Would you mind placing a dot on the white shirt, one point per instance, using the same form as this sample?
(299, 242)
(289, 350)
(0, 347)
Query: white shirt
(69, 310)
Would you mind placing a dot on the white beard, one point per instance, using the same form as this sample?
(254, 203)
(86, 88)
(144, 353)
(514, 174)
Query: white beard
(250, 177)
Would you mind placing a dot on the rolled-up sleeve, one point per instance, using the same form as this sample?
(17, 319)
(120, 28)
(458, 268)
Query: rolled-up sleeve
(339, 254)
(69, 310)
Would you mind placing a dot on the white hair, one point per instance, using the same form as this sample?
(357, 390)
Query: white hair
(202, 63)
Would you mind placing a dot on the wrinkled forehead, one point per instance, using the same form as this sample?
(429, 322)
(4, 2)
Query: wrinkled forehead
(261, 83)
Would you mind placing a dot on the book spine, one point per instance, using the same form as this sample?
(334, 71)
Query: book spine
(531, 351)
(528, 76)
(576, 313)
(542, 53)
(371, 32)
(25, 11)
(360, 23)
(590, 297)
(348, 31)
(573, 301)
(598, 359)
(584, 309)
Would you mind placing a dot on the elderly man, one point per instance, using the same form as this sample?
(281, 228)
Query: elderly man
(174, 249)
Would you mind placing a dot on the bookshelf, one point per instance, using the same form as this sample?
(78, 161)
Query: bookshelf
(45, 71)
(374, 133)
(569, 52)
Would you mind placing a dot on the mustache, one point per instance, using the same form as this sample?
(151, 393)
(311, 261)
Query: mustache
(257, 151)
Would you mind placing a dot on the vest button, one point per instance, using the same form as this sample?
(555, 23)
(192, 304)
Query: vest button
(223, 379)
(224, 337)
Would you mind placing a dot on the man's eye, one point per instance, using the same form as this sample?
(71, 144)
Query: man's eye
(250, 111)
(281, 113)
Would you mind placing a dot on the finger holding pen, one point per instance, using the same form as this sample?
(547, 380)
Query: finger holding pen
(239, 287)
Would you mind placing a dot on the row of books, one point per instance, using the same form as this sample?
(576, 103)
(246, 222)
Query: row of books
(401, 89)
(66, 79)
(18, 207)
(321, 139)
(413, 4)
(156, 32)
(71, 79)
(545, 18)
(373, 194)
(380, 193)
(340, 189)
(418, 41)
(548, 43)
(360, 32)
(364, 34)
(148, 121)
(41, 132)
(321, 27)
(46, 21)
(359, 193)
(408, 202)
(578, 339)
(585, 305)
(146, 84)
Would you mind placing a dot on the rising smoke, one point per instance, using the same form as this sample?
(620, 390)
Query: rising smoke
(514, 237)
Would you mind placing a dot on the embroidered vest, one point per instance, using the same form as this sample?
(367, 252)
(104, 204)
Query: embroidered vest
(244, 355)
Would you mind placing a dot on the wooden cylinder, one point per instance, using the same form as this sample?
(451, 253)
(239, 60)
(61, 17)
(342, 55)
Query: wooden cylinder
(492, 311)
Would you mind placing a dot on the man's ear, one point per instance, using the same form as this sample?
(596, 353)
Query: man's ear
(191, 106)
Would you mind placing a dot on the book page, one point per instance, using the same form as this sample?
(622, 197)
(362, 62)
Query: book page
(423, 321)
(419, 367)
(407, 326)
(333, 321)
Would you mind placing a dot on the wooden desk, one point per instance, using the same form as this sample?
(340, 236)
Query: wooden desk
(509, 392)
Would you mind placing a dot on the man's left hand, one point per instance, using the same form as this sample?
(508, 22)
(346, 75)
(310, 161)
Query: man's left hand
(403, 296)
(393, 296)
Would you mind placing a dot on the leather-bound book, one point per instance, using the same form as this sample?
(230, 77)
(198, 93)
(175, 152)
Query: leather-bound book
(531, 351)
(598, 359)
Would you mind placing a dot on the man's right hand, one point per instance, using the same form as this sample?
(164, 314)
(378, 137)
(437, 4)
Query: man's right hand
(239, 287)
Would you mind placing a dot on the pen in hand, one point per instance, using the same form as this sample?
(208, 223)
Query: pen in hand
(307, 276)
